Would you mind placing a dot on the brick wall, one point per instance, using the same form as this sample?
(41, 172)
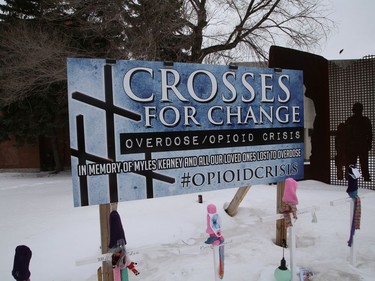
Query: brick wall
(16, 158)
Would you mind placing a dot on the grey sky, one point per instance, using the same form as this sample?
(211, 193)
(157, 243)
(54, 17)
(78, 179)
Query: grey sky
(355, 28)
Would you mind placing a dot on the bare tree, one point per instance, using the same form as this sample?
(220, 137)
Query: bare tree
(31, 60)
(245, 29)
(33, 79)
(218, 31)
(155, 30)
(33, 52)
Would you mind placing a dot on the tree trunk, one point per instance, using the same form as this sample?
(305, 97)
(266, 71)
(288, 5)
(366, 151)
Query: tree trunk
(56, 154)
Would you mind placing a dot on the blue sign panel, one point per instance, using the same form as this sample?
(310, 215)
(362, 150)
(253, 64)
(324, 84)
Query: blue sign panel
(144, 129)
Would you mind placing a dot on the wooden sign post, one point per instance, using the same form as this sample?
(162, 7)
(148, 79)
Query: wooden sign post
(104, 212)
(232, 209)
(281, 233)
(236, 201)
(292, 235)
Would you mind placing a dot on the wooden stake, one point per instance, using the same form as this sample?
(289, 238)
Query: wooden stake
(100, 274)
(232, 208)
(104, 212)
(281, 234)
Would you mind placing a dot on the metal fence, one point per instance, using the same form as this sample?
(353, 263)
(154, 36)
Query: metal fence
(351, 81)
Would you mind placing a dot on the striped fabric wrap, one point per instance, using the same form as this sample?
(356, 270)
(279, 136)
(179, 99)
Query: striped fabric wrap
(288, 209)
(356, 222)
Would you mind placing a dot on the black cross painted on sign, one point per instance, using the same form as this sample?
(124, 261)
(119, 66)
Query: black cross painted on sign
(110, 110)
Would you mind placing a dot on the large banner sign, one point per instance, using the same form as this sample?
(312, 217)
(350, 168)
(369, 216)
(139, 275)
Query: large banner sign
(144, 129)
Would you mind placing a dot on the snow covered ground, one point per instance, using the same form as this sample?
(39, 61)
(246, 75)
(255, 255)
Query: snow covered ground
(37, 210)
